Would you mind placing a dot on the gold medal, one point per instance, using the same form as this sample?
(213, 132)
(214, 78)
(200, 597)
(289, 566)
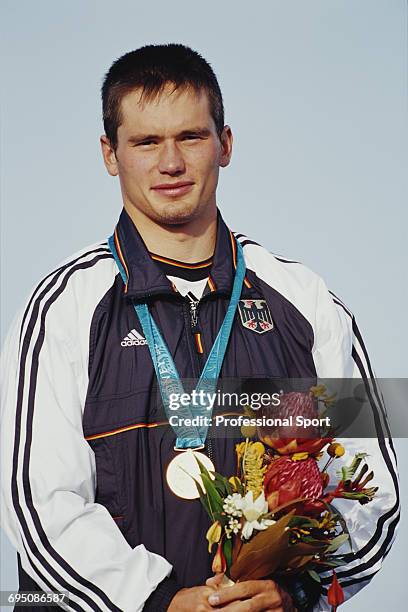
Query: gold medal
(183, 471)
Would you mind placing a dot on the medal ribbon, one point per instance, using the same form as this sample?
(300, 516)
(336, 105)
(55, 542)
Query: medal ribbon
(166, 371)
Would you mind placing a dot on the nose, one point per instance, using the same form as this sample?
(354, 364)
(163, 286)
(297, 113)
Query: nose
(171, 161)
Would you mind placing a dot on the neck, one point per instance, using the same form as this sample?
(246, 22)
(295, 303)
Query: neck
(190, 242)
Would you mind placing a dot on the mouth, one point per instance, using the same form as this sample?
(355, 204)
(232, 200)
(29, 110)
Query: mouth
(173, 189)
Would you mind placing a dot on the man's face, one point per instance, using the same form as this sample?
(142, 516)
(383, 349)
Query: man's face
(168, 155)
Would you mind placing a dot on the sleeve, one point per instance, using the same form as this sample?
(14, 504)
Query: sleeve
(339, 352)
(66, 541)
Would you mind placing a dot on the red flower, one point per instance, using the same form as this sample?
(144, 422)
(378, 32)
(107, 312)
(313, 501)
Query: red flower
(219, 563)
(286, 480)
(335, 594)
(285, 440)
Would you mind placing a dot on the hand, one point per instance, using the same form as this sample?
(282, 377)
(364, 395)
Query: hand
(215, 581)
(250, 596)
(194, 599)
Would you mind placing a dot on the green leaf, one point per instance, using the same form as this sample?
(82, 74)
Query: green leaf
(221, 518)
(314, 575)
(347, 471)
(220, 483)
(214, 499)
(331, 563)
(342, 522)
(303, 521)
(203, 500)
(227, 548)
(211, 500)
(203, 469)
(337, 542)
(228, 487)
(238, 486)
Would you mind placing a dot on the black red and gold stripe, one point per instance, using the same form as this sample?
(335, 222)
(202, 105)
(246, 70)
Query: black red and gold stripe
(199, 343)
(234, 258)
(121, 257)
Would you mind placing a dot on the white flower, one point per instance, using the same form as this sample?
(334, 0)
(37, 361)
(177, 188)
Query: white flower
(234, 525)
(253, 512)
(232, 504)
(251, 509)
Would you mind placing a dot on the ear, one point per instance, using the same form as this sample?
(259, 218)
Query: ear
(109, 156)
(226, 146)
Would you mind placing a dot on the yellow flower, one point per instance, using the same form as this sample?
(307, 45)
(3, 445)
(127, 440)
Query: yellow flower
(327, 522)
(213, 535)
(235, 482)
(240, 450)
(252, 467)
(300, 456)
(336, 450)
(258, 449)
(318, 390)
(329, 400)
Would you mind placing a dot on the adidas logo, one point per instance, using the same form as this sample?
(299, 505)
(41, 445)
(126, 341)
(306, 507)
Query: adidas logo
(133, 338)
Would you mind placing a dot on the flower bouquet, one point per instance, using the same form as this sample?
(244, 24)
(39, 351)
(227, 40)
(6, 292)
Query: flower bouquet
(274, 518)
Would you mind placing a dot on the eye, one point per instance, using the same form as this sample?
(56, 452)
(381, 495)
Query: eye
(191, 137)
(145, 143)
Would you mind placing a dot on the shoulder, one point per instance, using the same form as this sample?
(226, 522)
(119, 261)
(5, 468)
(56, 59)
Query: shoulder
(67, 296)
(299, 285)
(85, 271)
(331, 321)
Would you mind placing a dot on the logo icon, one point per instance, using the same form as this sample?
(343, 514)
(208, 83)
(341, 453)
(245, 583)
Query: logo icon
(133, 338)
(255, 315)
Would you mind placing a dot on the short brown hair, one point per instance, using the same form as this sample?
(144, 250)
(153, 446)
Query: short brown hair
(152, 67)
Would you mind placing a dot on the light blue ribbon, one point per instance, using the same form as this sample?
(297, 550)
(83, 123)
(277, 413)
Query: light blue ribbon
(166, 371)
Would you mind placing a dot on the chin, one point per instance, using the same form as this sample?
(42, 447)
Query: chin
(176, 213)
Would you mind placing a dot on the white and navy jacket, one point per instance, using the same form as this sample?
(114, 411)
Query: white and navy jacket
(83, 453)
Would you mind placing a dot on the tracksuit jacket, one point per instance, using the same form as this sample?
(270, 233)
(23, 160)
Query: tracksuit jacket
(84, 453)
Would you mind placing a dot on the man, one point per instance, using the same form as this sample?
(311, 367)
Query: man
(85, 497)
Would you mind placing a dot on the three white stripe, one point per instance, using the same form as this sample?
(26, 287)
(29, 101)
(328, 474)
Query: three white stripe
(44, 554)
(379, 544)
(134, 335)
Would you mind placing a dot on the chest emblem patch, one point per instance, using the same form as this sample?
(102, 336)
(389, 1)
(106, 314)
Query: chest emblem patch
(255, 315)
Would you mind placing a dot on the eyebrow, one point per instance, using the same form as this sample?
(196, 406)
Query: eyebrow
(203, 132)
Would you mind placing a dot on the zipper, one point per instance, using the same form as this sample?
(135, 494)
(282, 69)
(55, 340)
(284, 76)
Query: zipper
(193, 310)
(210, 450)
(188, 320)
(193, 307)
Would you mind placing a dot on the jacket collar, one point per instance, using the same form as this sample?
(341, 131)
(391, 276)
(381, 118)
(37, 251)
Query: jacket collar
(145, 278)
